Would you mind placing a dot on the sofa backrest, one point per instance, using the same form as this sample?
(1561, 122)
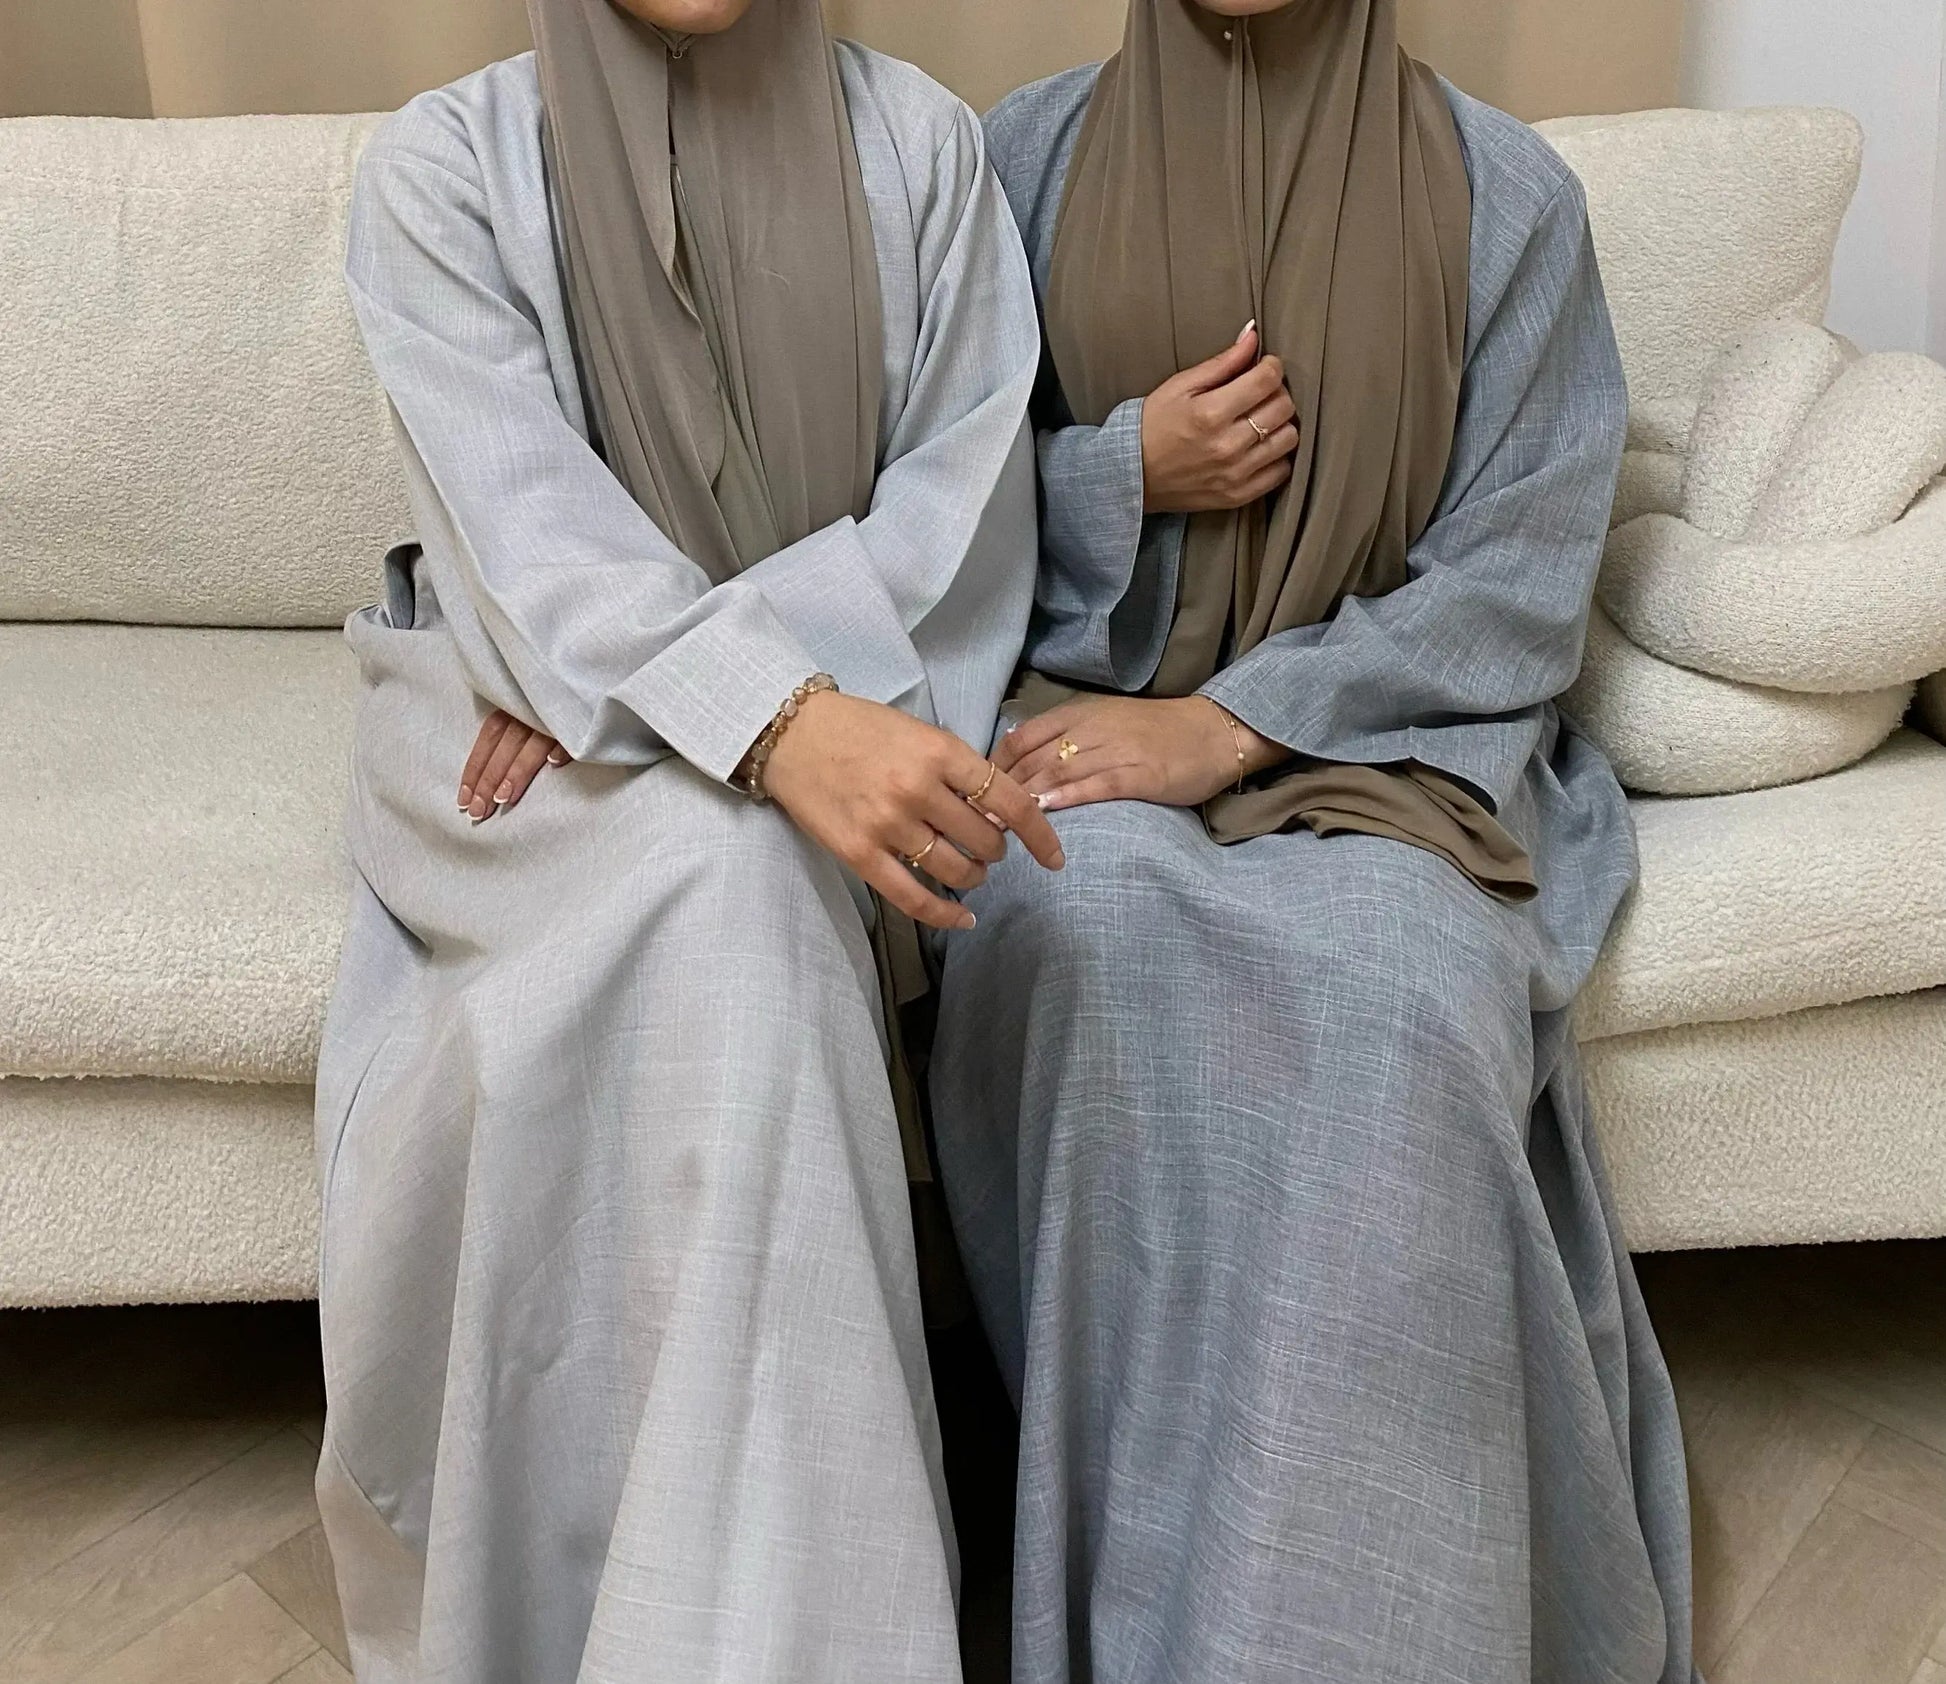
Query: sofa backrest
(1708, 222)
(190, 432)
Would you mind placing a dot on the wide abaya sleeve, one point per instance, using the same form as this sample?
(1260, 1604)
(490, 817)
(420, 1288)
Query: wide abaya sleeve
(569, 606)
(1455, 669)
(1107, 583)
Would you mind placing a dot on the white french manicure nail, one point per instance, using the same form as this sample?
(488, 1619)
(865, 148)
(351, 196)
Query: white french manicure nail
(1247, 326)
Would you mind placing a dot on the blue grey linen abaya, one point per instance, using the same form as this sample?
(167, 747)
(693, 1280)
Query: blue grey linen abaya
(1271, 1162)
(622, 1338)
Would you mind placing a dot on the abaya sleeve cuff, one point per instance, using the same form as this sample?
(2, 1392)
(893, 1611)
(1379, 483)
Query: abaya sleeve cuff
(829, 593)
(1108, 574)
(711, 692)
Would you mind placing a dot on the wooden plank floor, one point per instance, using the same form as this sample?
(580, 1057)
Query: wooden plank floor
(157, 1524)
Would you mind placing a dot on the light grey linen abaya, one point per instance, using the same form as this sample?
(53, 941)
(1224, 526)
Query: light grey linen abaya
(1271, 1163)
(626, 1373)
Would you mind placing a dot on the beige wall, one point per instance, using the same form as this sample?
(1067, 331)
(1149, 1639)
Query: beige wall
(79, 56)
(210, 56)
(1539, 58)
(1553, 58)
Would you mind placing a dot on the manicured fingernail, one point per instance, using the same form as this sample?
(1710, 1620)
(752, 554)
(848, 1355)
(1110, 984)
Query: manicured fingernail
(466, 795)
(557, 758)
(1044, 802)
(478, 809)
(971, 921)
(503, 793)
(1247, 326)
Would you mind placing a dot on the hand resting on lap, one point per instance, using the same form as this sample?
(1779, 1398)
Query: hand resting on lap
(867, 783)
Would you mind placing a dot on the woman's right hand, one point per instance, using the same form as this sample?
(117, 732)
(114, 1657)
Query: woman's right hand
(1219, 435)
(875, 786)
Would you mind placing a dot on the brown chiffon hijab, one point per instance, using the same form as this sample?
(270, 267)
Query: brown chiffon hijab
(1297, 168)
(720, 271)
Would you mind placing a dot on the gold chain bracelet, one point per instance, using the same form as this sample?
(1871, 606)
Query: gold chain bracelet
(762, 749)
(1236, 740)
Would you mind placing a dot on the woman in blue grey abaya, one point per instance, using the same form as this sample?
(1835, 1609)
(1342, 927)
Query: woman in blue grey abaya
(1261, 1124)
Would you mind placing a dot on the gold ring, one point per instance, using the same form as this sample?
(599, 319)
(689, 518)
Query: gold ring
(975, 798)
(919, 859)
(1262, 436)
(1068, 750)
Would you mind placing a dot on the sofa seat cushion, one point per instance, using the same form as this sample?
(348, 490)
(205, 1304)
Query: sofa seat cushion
(172, 883)
(142, 1192)
(1769, 902)
(1820, 1126)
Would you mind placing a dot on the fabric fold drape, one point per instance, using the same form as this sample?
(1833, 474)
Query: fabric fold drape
(720, 273)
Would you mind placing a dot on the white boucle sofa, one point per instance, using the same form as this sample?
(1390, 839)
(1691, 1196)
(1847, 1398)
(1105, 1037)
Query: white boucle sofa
(197, 482)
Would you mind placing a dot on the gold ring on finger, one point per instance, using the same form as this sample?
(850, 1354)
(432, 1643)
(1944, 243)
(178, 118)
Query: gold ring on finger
(919, 859)
(979, 794)
(1068, 750)
(1262, 436)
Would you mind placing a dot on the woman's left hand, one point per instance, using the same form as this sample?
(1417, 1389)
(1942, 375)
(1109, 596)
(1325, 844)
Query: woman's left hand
(507, 756)
(1176, 752)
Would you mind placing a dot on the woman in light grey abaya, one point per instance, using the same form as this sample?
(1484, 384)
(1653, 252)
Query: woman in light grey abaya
(1261, 1125)
(710, 356)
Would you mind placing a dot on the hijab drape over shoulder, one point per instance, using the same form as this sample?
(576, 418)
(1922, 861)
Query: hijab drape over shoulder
(720, 270)
(1297, 168)
(722, 283)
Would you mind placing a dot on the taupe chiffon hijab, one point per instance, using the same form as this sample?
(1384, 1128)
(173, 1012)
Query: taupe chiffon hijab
(1297, 168)
(721, 280)
(720, 271)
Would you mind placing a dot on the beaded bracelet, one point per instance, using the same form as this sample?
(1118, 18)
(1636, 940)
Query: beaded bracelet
(762, 749)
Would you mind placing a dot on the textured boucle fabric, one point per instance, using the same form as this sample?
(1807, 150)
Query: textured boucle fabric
(1761, 390)
(1798, 436)
(136, 1192)
(1869, 446)
(1807, 550)
(1825, 1125)
(1662, 425)
(174, 889)
(191, 433)
(1770, 902)
(1708, 222)
(1669, 731)
(1831, 615)
(1650, 483)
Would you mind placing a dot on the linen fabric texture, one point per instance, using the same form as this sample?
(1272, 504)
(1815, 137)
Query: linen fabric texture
(621, 1321)
(1271, 1162)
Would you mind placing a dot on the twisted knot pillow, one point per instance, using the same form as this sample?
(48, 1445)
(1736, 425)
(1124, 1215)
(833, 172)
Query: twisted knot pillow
(1772, 593)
